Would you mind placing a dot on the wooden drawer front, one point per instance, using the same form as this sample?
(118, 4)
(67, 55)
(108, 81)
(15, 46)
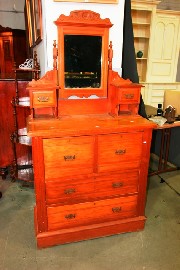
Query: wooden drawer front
(68, 192)
(119, 151)
(129, 96)
(117, 184)
(91, 212)
(68, 156)
(43, 99)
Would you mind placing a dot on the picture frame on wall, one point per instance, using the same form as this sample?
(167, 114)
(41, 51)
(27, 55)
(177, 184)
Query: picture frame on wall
(33, 18)
(91, 1)
(29, 22)
(37, 20)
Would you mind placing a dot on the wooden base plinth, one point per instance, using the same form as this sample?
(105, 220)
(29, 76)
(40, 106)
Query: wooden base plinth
(47, 239)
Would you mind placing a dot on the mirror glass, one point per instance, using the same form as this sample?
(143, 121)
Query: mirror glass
(82, 56)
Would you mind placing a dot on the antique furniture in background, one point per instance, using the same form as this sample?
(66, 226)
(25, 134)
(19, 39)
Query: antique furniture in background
(21, 165)
(165, 143)
(7, 93)
(14, 110)
(157, 68)
(91, 159)
(13, 48)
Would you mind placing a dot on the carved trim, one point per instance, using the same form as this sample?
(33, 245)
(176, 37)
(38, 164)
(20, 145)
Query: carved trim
(118, 81)
(28, 64)
(83, 16)
(48, 80)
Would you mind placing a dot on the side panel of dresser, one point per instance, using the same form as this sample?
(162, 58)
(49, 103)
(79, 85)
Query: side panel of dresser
(89, 187)
(7, 92)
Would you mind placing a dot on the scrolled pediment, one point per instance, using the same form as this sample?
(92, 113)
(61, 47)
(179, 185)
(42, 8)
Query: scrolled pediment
(83, 16)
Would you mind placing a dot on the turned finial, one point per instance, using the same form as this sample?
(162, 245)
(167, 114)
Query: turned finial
(110, 55)
(55, 54)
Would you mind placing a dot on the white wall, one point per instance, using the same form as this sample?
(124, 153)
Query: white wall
(52, 10)
(12, 19)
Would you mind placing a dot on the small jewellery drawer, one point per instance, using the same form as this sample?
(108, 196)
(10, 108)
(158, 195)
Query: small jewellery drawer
(69, 216)
(119, 151)
(129, 95)
(43, 98)
(68, 156)
(68, 191)
(117, 184)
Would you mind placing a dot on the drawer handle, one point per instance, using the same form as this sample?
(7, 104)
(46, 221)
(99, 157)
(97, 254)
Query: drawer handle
(120, 151)
(116, 209)
(129, 96)
(68, 158)
(69, 191)
(43, 99)
(117, 184)
(70, 216)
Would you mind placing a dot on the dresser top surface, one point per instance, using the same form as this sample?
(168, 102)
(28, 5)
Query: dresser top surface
(86, 125)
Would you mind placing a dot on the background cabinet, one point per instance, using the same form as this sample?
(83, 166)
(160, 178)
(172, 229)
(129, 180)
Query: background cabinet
(157, 35)
(164, 51)
(143, 13)
(141, 27)
(12, 49)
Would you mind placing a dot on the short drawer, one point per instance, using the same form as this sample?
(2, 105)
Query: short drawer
(69, 191)
(68, 156)
(68, 216)
(117, 184)
(119, 151)
(43, 98)
(129, 95)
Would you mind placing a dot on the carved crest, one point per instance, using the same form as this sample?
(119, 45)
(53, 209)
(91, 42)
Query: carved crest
(83, 16)
(5, 29)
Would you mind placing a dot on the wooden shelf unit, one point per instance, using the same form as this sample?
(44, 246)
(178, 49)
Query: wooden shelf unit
(22, 165)
(157, 35)
(141, 20)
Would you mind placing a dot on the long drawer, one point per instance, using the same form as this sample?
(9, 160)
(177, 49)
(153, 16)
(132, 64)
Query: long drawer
(69, 216)
(71, 190)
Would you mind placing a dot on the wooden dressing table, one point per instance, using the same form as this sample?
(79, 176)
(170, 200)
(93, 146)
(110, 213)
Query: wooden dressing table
(91, 157)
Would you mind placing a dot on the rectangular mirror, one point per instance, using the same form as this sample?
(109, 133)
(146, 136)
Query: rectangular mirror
(83, 45)
(82, 57)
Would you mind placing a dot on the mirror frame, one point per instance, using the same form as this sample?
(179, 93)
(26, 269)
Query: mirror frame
(83, 22)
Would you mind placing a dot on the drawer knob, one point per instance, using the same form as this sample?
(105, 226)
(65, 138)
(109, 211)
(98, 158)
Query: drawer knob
(120, 151)
(70, 216)
(116, 209)
(69, 191)
(43, 99)
(117, 184)
(129, 96)
(69, 158)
